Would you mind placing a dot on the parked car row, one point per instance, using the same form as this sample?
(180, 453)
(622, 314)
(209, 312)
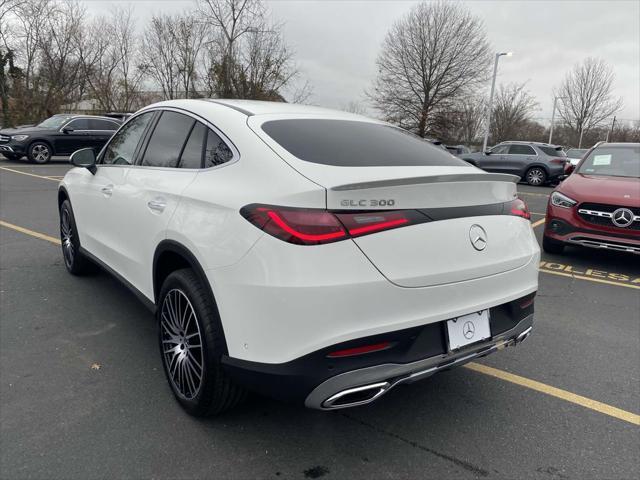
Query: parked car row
(58, 135)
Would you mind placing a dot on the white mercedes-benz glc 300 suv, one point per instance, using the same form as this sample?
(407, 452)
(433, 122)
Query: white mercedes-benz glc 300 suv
(300, 252)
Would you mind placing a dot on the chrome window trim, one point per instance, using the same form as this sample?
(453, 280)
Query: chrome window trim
(196, 117)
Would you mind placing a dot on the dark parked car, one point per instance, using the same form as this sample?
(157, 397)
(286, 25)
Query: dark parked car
(458, 150)
(57, 135)
(535, 163)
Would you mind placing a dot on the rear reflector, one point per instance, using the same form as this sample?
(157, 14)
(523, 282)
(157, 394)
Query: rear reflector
(349, 352)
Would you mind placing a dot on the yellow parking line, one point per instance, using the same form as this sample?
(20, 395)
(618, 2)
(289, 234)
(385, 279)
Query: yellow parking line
(537, 213)
(539, 222)
(556, 392)
(29, 174)
(590, 279)
(26, 231)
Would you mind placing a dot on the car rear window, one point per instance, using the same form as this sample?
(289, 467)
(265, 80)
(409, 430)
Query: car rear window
(552, 152)
(346, 143)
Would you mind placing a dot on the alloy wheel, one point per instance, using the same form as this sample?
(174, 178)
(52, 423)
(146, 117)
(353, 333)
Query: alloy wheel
(66, 232)
(535, 176)
(40, 153)
(181, 344)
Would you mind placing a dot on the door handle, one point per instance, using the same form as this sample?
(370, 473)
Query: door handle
(158, 205)
(107, 191)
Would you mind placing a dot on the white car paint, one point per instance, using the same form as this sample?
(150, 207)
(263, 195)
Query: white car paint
(279, 301)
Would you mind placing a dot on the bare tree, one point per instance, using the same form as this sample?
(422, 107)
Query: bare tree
(247, 56)
(462, 121)
(512, 109)
(587, 97)
(7, 56)
(232, 20)
(160, 52)
(108, 51)
(354, 107)
(437, 52)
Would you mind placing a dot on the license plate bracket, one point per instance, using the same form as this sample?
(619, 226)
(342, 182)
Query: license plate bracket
(468, 329)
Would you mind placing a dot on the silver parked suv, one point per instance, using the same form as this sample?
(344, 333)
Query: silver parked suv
(535, 163)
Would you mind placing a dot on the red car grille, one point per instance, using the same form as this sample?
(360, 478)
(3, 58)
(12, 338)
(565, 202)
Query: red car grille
(602, 214)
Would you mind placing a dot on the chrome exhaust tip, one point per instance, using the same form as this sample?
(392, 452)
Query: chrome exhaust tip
(523, 336)
(352, 397)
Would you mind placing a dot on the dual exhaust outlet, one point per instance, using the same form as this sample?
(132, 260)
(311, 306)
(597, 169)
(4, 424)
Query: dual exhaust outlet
(353, 397)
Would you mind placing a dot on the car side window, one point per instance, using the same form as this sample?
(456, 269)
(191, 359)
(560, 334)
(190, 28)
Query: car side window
(521, 150)
(216, 152)
(122, 147)
(192, 154)
(167, 140)
(500, 150)
(79, 124)
(97, 124)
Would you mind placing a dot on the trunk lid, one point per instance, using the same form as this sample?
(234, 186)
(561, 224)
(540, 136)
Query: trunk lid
(457, 197)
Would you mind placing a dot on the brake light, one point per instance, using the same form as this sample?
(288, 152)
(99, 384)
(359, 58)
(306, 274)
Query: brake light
(558, 161)
(316, 227)
(519, 208)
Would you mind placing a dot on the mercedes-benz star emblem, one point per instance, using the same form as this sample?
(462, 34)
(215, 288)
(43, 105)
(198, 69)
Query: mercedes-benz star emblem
(468, 330)
(622, 217)
(478, 237)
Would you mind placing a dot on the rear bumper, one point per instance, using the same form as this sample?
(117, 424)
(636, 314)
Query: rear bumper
(324, 382)
(360, 387)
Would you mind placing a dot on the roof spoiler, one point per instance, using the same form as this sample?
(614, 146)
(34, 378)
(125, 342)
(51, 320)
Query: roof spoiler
(456, 177)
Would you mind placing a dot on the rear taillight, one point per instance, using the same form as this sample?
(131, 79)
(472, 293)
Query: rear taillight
(350, 352)
(315, 227)
(518, 208)
(558, 161)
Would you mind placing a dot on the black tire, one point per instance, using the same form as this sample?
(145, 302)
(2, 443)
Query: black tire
(552, 246)
(215, 392)
(536, 176)
(75, 262)
(39, 152)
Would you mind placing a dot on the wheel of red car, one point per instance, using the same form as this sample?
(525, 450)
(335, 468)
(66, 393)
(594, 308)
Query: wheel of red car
(536, 176)
(39, 152)
(552, 246)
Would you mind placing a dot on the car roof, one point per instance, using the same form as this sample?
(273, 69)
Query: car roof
(522, 142)
(74, 116)
(618, 144)
(257, 107)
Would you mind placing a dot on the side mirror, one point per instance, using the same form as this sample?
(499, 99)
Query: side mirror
(85, 158)
(487, 152)
(67, 130)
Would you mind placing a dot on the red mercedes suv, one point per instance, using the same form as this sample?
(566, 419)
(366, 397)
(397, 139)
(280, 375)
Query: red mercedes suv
(598, 205)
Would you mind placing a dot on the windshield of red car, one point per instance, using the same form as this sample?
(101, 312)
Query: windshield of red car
(613, 161)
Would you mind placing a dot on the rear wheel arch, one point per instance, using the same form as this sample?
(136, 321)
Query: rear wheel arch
(171, 256)
(62, 196)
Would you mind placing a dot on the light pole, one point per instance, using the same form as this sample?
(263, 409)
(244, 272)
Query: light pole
(553, 117)
(493, 86)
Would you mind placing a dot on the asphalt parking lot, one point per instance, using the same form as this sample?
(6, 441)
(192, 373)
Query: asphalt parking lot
(83, 395)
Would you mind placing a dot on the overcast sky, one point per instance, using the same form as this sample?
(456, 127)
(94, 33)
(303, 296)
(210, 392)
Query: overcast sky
(337, 41)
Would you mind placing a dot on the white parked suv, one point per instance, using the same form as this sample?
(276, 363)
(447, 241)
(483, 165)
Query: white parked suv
(299, 252)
